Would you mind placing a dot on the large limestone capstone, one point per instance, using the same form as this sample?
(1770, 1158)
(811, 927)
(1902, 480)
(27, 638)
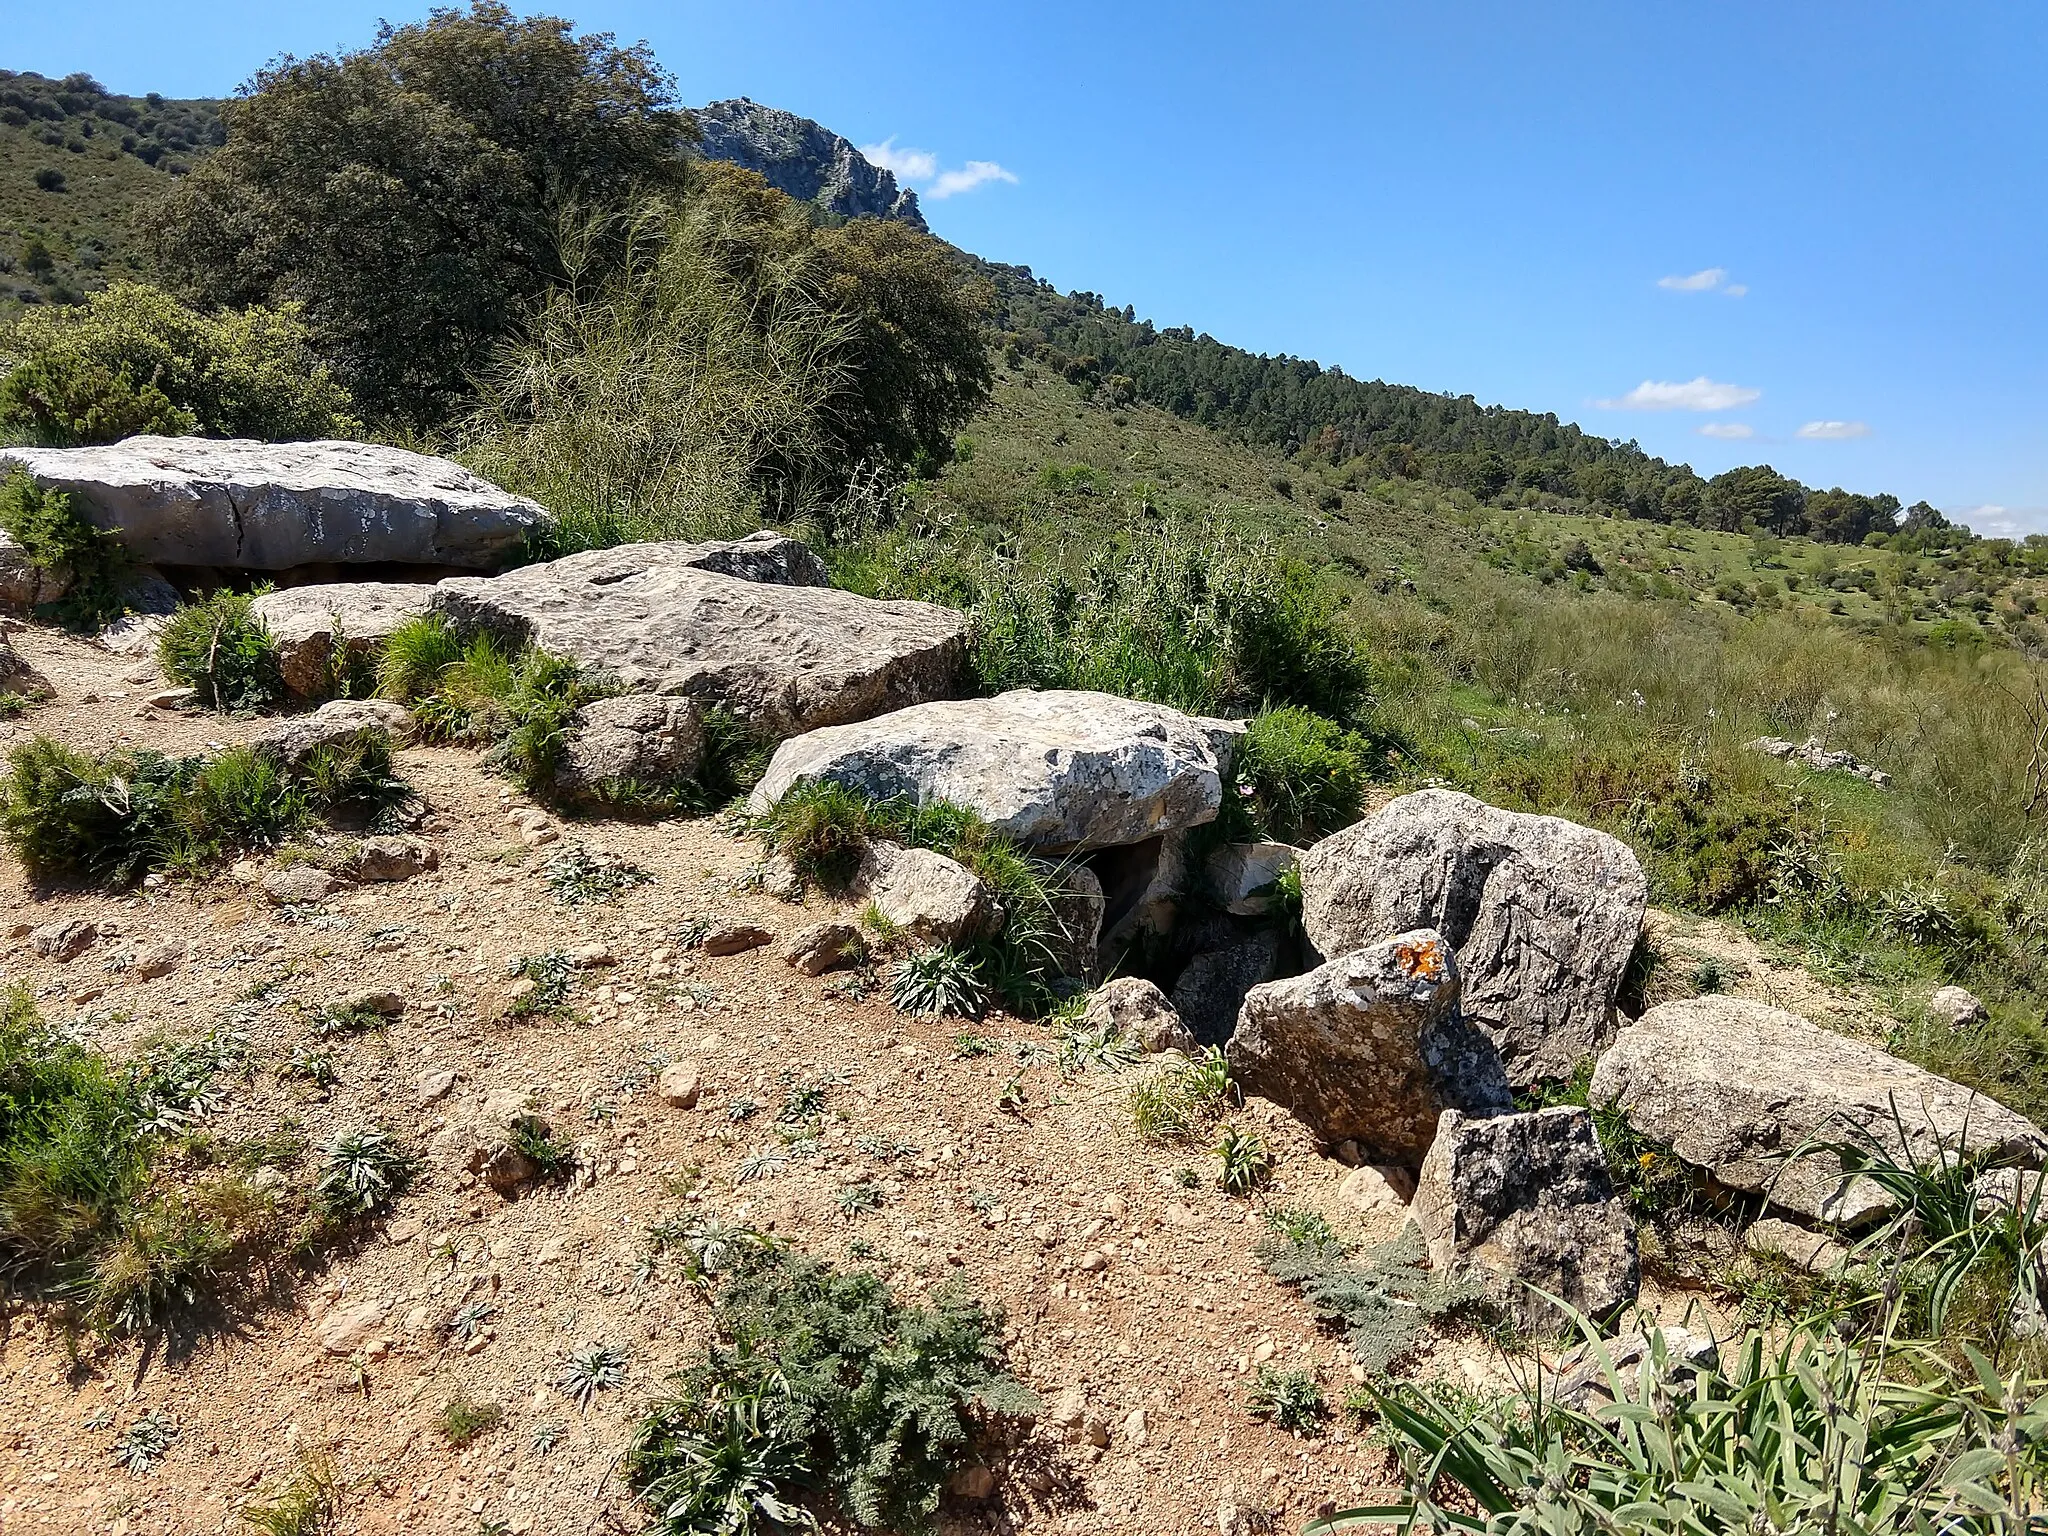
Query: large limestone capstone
(242, 505)
(1370, 1048)
(1058, 768)
(1527, 1201)
(316, 627)
(1543, 913)
(1755, 1097)
(736, 623)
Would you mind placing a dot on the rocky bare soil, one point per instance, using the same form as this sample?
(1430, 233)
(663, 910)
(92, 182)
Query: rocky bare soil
(1121, 1285)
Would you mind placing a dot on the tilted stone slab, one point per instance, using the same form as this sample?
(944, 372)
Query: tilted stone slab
(1526, 1200)
(663, 618)
(1543, 913)
(1055, 768)
(1369, 1048)
(1755, 1096)
(236, 504)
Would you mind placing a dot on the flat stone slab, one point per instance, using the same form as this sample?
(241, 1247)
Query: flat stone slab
(236, 504)
(1056, 768)
(1753, 1096)
(668, 618)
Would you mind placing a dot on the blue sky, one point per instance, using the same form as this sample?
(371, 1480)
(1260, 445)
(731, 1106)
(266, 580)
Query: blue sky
(1809, 235)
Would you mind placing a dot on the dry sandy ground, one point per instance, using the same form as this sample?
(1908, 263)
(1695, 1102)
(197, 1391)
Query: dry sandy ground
(1171, 1324)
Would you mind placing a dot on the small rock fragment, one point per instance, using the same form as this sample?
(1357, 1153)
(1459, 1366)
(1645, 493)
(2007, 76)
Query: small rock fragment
(299, 885)
(679, 1085)
(160, 959)
(435, 1085)
(822, 947)
(734, 939)
(394, 858)
(381, 1001)
(65, 939)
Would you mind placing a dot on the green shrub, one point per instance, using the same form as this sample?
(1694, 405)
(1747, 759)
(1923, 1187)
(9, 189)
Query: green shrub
(59, 539)
(221, 650)
(1298, 777)
(1200, 620)
(132, 359)
(464, 1421)
(111, 818)
(361, 1173)
(1383, 1301)
(940, 980)
(416, 656)
(824, 1385)
(305, 1504)
(1291, 1400)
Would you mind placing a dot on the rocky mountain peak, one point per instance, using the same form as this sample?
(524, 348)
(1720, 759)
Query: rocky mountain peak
(809, 162)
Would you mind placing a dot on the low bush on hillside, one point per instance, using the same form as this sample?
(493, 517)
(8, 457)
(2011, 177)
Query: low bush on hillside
(471, 689)
(111, 818)
(824, 829)
(59, 539)
(107, 1208)
(1193, 618)
(1295, 777)
(223, 652)
(132, 359)
(824, 1392)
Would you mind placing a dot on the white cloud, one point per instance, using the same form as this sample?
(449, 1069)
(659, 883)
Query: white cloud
(968, 177)
(1706, 280)
(908, 164)
(1996, 522)
(920, 168)
(1833, 431)
(1700, 394)
(1733, 430)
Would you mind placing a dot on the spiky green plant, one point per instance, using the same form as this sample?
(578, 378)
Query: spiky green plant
(939, 980)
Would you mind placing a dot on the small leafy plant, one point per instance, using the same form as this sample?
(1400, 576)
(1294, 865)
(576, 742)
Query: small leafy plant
(940, 980)
(223, 652)
(361, 1173)
(1292, 1400)
(145, 1443)
(589, 1371)
(464, 1420)
(824, 1386)
(1244, 1163)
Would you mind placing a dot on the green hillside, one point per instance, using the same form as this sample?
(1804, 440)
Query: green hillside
(77, 165)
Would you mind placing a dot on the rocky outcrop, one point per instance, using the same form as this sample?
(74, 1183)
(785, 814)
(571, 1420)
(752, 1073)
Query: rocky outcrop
(926, 894)
(823, 947)
(319, 629)
(18, 677)
(738, 624)
(240, 505)
(1526, 1200)
(1756, 1097)
(1957, 1007)
(809, 162)
(1136, 1009)
(1077, 909)
(635, 739)
(1058, 769)
(1543, 913)
(23, 583)
(1816, 754)
(1370, 1048)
